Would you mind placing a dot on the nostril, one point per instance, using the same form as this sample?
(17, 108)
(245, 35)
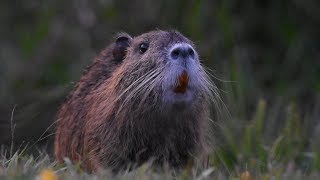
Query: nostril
(190, 52)
(182, 51)
(175, 53)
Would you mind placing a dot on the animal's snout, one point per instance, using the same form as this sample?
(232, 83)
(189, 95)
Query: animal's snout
(182, 51)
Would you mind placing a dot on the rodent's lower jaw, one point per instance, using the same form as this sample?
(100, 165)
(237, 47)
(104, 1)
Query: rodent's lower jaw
(173, 97)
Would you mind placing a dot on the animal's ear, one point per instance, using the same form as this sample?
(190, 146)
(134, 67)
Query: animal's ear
(120, 48)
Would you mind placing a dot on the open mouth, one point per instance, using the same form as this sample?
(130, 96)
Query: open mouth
(183, 81)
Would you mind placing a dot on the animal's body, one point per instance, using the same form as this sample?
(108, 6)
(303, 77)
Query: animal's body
(143, 98)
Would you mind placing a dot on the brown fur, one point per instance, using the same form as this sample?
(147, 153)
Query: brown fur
(102, 125)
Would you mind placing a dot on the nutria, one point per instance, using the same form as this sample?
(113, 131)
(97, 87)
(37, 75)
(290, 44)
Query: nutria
(143, 99)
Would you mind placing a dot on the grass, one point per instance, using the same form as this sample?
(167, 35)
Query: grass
(247, 152)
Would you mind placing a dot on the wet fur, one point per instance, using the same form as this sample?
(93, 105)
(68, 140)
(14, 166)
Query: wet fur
(116, 115)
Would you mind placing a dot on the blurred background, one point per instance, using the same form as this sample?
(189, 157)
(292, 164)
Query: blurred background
(265, 56)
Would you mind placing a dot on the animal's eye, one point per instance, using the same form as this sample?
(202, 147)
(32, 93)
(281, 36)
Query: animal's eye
(143, 47)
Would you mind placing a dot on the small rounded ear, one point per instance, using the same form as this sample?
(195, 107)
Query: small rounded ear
(120, 48)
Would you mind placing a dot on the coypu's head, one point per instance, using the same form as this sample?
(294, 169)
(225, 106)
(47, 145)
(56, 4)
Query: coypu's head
(159, 68)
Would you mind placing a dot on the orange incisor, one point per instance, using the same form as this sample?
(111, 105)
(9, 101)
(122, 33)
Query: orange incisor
(183, 81)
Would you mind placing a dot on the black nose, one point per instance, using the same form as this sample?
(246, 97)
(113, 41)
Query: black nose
(182, 51)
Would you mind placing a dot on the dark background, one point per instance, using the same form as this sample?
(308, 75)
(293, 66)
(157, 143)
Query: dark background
(259, 49)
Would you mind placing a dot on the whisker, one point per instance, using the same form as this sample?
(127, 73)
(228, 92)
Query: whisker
(141, 87)
(211, 73)
(219, 104)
